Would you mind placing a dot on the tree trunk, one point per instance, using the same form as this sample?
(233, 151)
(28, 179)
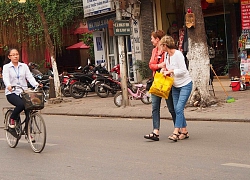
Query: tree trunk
(199, 62)
(51, 49)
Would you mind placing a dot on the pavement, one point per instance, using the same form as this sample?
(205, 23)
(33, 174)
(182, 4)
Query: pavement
(92, 105)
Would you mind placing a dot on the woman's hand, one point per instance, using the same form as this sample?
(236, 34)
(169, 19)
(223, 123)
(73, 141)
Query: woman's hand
(9, 88)
(168, 72)
(162, 65)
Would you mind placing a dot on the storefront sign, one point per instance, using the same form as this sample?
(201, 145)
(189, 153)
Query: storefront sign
(95, 7)
(122, 27)
(101, 22)
(245, 14)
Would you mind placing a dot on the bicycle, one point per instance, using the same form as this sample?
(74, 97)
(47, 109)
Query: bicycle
(140, 93)
(33, 128)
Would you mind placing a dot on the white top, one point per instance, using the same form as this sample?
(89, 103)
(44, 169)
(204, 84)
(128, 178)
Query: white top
(16, 76)
(177, 63)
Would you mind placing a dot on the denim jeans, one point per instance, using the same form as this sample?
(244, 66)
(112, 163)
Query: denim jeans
(180, 97)
(156, 104)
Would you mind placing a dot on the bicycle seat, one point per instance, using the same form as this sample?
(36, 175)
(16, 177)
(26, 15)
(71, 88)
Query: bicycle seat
(138, 85)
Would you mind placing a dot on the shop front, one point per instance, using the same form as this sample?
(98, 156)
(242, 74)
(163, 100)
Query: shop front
(106, 41)
(222, 24)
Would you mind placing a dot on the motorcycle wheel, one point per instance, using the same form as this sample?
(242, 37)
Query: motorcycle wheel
(118, 99)
(65, 90)
(146, 97)
(76, 92)
(101, 91)
(46, 93)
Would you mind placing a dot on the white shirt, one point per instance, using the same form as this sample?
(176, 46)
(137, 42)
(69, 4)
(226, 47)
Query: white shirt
(177, 63)
(17, 76)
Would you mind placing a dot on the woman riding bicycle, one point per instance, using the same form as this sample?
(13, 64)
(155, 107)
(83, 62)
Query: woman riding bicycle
(16, 73)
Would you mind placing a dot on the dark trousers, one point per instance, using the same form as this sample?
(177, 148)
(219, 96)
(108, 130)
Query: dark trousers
(17, 101)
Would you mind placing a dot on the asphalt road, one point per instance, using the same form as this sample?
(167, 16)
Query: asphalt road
(88, 148)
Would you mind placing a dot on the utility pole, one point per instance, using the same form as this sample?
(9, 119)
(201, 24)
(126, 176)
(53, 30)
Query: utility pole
(122, 60)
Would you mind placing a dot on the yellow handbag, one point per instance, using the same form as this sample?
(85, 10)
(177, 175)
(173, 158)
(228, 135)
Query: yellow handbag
(162, 85)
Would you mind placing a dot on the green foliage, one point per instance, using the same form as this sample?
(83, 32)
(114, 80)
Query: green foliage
(143, 69)
(87, 38)
(24, 18)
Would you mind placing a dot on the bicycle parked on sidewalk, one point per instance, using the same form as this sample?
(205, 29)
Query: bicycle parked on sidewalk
(137, 93)
(33, 128)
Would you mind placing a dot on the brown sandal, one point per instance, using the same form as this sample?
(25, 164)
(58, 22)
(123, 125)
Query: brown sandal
(184, 136)
(174, 137)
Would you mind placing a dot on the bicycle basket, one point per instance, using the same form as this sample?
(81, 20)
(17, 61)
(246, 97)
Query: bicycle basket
(33, 100)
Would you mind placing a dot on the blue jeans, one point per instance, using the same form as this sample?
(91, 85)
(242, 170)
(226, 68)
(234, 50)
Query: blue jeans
(180, 97)
(156, 104)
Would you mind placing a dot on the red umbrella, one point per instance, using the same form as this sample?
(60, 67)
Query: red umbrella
(79, 45)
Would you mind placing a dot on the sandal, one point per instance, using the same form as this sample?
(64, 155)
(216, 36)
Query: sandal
(174, 137)
(152, 136)
(184, 136)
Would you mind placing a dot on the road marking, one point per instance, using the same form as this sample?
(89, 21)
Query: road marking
(237, 165)
(23, 141)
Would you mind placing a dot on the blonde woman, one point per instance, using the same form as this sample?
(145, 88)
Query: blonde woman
(182, 87)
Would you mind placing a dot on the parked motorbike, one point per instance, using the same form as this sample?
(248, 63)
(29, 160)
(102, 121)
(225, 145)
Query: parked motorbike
(106, 83)
(85, 82)
(66, 82)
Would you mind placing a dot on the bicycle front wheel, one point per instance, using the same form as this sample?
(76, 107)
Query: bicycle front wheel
(10, 133)
(37, 132)
(118, 99)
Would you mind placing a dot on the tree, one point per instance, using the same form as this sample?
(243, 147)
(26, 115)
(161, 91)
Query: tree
(39, 22)
(199, 63)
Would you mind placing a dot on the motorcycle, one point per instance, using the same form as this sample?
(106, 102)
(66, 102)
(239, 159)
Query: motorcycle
(66, 82)
(85, 82)
(106, 83)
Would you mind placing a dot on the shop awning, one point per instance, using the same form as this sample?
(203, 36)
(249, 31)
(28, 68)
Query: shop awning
(79, 45)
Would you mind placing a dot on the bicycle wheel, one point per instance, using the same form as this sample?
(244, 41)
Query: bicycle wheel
(37, 132)
(146, 97)
(10, 133)
(118, 99)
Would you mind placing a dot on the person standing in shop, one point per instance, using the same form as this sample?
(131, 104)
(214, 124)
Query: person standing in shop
(182, 87)
(155, 64)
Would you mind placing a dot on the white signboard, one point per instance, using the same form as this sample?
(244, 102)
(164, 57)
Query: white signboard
(95, 7)
(100, 53)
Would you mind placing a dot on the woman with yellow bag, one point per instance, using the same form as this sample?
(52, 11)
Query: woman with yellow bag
(155, 64)
(182, 85)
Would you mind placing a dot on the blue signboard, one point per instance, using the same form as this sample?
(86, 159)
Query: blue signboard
(100, 22)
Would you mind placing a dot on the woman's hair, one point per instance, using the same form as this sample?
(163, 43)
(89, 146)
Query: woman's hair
(168, 41)
(7, 60)
(158, 34)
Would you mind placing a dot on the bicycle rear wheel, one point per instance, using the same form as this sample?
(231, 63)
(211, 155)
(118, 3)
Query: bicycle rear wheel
(10, 133)
(37, 132)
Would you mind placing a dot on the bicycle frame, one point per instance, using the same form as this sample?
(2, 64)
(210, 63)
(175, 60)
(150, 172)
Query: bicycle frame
(140, 89)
